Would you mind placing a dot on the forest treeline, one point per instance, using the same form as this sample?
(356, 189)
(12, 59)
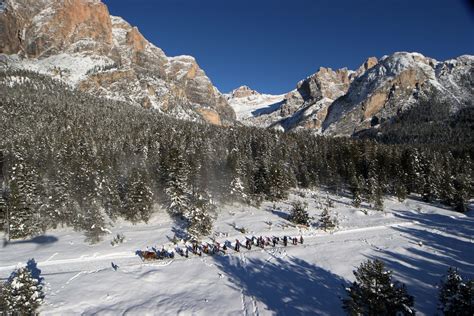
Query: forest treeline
(68, 158)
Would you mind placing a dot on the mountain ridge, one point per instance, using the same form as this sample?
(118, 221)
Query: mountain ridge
(345, 102)
(79, 42)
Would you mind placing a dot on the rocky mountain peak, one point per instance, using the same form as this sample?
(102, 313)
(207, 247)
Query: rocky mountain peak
(243, 92)
(41, 28)
(77, 41)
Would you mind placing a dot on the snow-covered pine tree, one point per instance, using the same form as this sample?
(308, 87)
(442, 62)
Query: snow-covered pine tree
(199, 216)
(92, 221)
(58, 208)
(278, 182)
(177, 189)
(356, 190)
(3, 211)
(139, 203)
(374, 293)
(22, 294)
(23, 215)
(375, 190)
(326, 221)
(456, 296)
(298, 213)
(400, 191)
(237, 190)
(463, 186)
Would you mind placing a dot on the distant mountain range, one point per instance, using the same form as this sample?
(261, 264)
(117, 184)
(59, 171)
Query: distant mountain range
(80, 43)
(345, 102)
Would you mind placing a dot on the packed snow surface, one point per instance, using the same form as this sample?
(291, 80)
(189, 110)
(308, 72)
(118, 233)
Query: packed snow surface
(417, 241)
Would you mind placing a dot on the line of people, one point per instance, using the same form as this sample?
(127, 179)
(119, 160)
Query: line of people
(215, 247)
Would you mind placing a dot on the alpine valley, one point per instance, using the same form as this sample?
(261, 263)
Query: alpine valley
(130, 185)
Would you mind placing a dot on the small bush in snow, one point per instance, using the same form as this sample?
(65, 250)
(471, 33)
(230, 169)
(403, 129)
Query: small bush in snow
(374, 293)
(118, 239)
(456, 296)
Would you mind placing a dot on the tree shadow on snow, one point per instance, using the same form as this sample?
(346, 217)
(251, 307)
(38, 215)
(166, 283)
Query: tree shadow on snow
(286, 287)
(441, 242)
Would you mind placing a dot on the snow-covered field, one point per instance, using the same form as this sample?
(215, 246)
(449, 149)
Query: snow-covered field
(416, 240)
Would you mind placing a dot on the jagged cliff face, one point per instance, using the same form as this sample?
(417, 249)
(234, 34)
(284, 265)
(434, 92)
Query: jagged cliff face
(79, 42)
(396, 84)
(304, 107)
(345, 102)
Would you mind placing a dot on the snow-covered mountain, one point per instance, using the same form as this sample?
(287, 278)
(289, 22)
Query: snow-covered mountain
(396, 84)
(250, 105)
(79, 42)
(345, 102)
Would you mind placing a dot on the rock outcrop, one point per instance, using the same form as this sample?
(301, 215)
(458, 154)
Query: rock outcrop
(79, 42)
(345, 102)
(396, 84)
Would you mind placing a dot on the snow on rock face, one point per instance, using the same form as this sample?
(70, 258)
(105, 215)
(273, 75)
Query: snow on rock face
(344, 102)
(105, 55)
(249, 104)
(395, 84)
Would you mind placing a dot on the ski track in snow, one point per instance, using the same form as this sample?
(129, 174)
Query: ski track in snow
(213, 284)
(310, 240)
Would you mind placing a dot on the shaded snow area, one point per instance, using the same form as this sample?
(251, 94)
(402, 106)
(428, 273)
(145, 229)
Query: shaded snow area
(417, 241)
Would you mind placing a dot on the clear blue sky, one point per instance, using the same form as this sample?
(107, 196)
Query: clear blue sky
(272, 44)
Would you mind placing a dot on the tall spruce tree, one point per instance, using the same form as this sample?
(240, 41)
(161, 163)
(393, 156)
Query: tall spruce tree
(375, 293)
(456, 296)
(177, 189)
(199, 216)
(23, 205)
(139, 201)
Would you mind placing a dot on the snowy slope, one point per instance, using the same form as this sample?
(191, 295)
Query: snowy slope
(254, 106)
(417, 241)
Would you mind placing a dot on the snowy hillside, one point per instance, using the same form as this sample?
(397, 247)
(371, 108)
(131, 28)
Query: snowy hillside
(416, 240)
(249, 103)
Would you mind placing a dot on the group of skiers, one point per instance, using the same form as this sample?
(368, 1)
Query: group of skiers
(215, 247)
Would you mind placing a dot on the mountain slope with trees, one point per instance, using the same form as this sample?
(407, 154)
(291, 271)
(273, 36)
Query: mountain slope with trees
(70, 158)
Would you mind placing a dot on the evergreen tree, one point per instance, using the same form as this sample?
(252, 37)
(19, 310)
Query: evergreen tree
(298, 214)
(237, 190)
(92, 221)
(58, 209)
(374, 293)
(355, 187)
(139, 203)
(3, 211)
(199, 217)
(461, 193)
(177, 190)
(400, 191)
(22, 294)
(326, 221)
(24, 218)
(456, 297)
(277, 182)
